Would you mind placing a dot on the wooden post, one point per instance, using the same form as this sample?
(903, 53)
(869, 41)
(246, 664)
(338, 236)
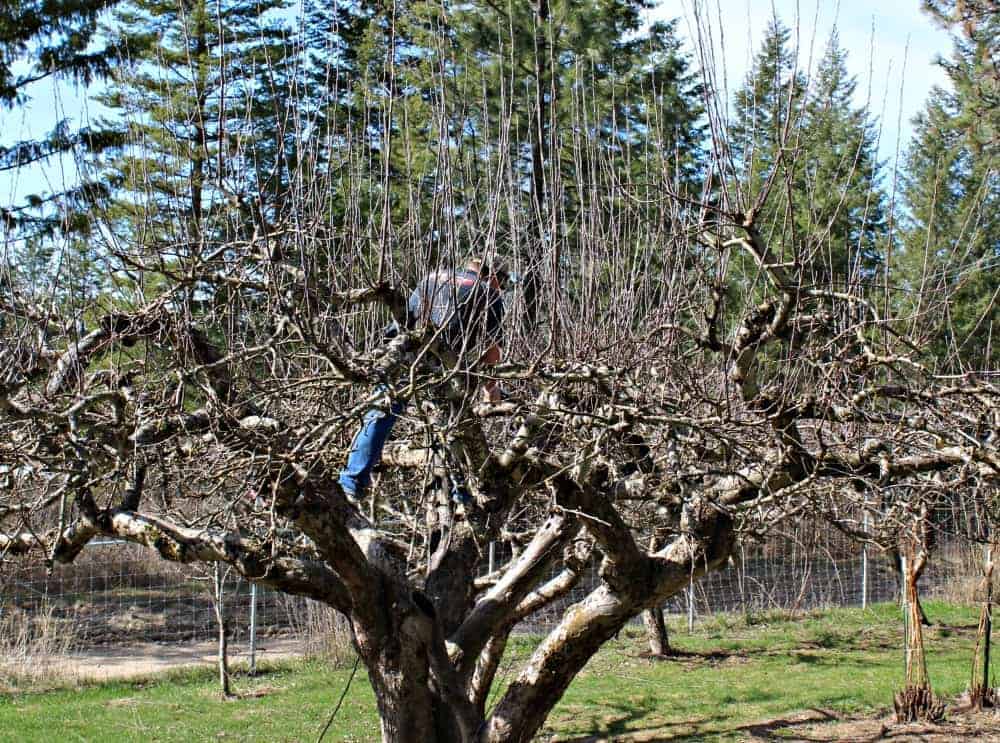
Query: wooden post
(981, 692)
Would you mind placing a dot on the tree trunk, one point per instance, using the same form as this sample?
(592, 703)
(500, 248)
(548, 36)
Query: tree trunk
(218, 587)
(402, 652)
(405, 706)
(897, 565)
(656, 632)
(656, 625)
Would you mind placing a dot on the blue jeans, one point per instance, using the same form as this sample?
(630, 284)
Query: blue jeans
(366, 452)
(366, 449)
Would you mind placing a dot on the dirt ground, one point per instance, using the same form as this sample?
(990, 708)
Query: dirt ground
(146, 659)
(822, 725)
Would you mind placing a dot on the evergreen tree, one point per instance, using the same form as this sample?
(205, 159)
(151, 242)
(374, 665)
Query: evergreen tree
(331, 82)
(768, 119)
(950, 262)
(56, 39)
(585, 91)
(203, 108)
(841, 215)
(455, 106)
(974, 68)
(806, 147)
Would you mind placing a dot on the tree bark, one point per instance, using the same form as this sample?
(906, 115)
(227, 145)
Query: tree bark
(656, 632)
(218, 581)
(656, 625)
(405, 704)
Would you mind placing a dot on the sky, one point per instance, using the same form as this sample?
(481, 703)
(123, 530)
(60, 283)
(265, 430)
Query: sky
(891, 49)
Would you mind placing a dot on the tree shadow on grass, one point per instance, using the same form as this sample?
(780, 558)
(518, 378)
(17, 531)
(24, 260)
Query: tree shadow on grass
(622, 726)
(619, 720)
(630, 718)
(688, 731)
(813, 725)
(777, 728)
(676, 654)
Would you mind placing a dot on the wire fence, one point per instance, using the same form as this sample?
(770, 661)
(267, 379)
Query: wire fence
(120, 594)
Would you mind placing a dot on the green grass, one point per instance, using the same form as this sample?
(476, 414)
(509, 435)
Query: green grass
(732, 673)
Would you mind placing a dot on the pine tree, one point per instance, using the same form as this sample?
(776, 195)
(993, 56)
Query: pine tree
(974, 68)
(767, 123)
(841, 215)
(554, 97)
(202, 104)
(56, 40)
(331, 83)
(950, 263)
(56, 37)
(454, 105)
(806, 147)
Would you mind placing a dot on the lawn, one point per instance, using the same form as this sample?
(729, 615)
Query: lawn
(732, 672)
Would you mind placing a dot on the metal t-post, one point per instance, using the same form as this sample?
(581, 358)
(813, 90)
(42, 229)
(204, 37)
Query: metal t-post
(864, 567)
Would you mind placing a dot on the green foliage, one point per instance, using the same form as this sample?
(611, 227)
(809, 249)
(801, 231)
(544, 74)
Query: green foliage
(843, 215)
(447, 128)
(949, 266)
(54, 39)
(200, 100)
(974, 67)
(804, 146)
(56, 36)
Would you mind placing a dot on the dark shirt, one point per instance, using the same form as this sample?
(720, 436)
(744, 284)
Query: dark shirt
(467, 309)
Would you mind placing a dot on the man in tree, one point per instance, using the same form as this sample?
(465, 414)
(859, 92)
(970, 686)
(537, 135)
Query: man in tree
(465, 307)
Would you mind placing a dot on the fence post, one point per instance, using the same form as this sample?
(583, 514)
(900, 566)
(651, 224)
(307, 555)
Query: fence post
(741, 576)
(253, 629)
(864, 567)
